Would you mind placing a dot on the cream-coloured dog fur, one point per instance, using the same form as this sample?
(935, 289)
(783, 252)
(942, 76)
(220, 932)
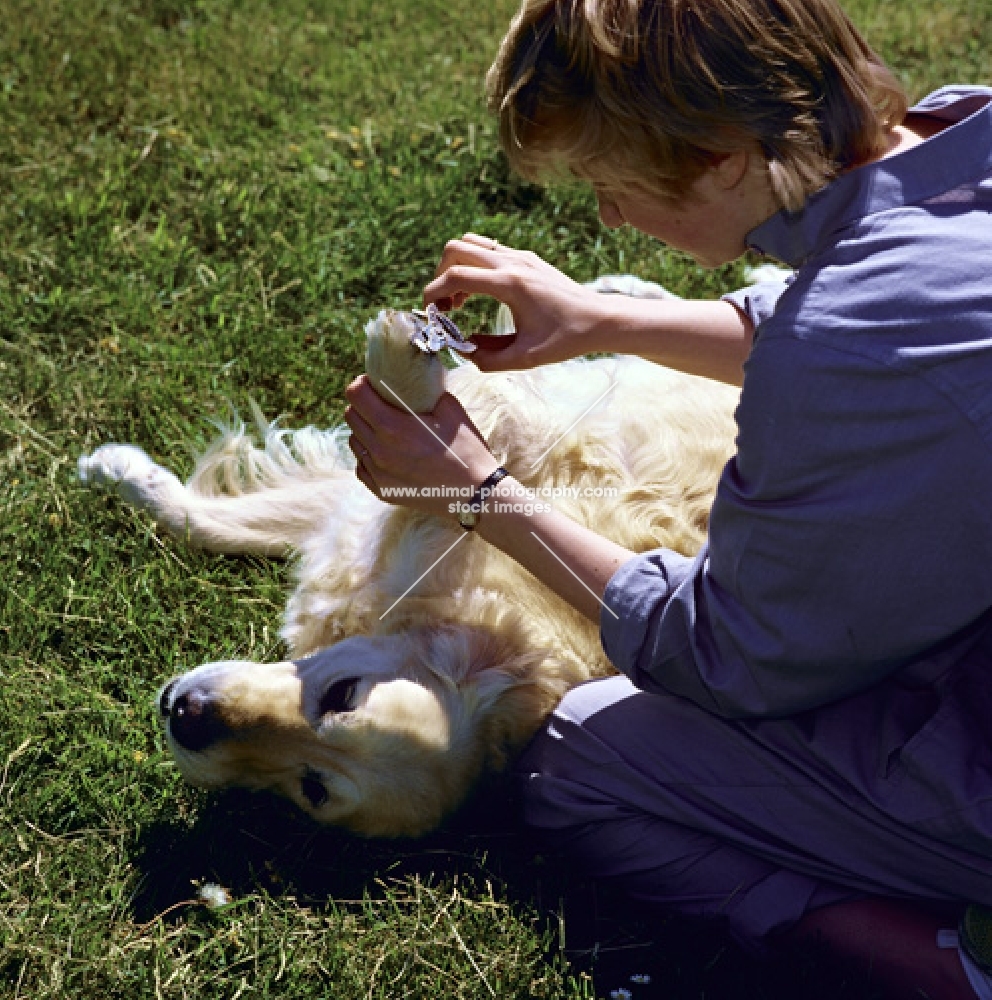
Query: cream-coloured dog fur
(420, 657)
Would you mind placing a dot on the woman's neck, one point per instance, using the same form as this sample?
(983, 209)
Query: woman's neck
(914, 130)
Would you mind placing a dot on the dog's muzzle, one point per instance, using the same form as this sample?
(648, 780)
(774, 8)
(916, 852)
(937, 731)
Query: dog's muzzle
(191, 717)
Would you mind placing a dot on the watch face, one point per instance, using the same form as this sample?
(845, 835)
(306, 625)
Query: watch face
(468, 518)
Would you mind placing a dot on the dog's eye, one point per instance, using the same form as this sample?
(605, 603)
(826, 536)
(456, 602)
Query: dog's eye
(313, 789)
(339, 697)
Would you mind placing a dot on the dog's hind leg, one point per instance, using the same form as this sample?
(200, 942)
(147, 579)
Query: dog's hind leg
(240, 498)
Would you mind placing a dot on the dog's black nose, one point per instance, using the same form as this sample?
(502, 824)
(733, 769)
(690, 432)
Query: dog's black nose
(193, 720)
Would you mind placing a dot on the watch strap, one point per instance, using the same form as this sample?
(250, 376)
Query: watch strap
(483, 490)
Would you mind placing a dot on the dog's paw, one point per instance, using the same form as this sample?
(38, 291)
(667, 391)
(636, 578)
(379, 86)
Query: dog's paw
(128, 471)
(112, 463)
(628, 284)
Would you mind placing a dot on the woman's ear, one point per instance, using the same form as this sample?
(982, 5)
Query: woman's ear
(730, 169)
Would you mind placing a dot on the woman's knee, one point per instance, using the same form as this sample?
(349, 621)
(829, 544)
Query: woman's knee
(588, 699)
(564, 771)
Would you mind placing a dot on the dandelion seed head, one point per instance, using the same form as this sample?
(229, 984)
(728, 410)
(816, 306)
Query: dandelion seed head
(214, 895)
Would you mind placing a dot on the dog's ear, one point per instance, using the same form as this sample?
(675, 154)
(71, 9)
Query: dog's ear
(511, 698)
(514, 717)
(501, 684)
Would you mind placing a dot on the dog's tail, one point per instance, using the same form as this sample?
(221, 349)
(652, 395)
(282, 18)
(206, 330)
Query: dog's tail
(234, 465)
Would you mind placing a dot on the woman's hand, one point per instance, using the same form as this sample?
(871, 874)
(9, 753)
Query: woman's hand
(555, 317)
(416, 453)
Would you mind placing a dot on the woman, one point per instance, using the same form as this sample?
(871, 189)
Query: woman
(801, 741)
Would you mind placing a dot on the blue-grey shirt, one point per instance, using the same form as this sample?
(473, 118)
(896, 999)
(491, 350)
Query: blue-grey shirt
(851, 534)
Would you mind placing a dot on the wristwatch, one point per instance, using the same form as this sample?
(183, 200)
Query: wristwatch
(469, 514)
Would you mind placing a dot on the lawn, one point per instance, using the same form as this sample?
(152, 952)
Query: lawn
(201, 204)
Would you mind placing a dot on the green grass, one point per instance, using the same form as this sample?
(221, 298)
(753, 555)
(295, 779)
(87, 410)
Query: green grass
(201, 203)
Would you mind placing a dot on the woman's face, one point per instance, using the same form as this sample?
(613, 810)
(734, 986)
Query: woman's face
(711, 224)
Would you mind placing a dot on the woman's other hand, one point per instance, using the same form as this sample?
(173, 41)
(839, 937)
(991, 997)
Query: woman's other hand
(555, 317)
(415, 453)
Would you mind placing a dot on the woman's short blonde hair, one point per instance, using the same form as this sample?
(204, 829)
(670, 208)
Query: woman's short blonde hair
(645, 94)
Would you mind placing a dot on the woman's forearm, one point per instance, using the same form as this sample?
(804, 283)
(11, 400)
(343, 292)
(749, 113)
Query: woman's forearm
(709, 338)
(573, 561)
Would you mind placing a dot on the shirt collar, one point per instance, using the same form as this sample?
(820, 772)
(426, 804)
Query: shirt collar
(960, 154)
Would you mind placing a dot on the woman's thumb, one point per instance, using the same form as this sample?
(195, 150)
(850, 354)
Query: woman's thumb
(489, 350)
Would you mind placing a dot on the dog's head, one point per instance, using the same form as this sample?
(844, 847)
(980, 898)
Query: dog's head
(382, 735)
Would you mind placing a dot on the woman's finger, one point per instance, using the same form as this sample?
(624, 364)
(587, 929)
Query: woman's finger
(363, 456)
(474, 251)
(363, 438)
(478, 251)
(473, 255)
(487, 242)
(360, 427)
(460, 280)
(370, 409)
(365, 478)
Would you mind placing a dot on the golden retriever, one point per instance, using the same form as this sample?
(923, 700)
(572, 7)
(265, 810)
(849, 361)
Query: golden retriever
(419, 656)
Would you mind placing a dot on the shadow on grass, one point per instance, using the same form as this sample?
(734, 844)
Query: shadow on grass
(249, 842)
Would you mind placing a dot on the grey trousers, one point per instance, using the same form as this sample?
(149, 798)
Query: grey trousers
(753, 821)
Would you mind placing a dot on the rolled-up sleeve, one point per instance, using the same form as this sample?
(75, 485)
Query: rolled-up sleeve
(634, 600)
(836, 553)
(758, 301)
